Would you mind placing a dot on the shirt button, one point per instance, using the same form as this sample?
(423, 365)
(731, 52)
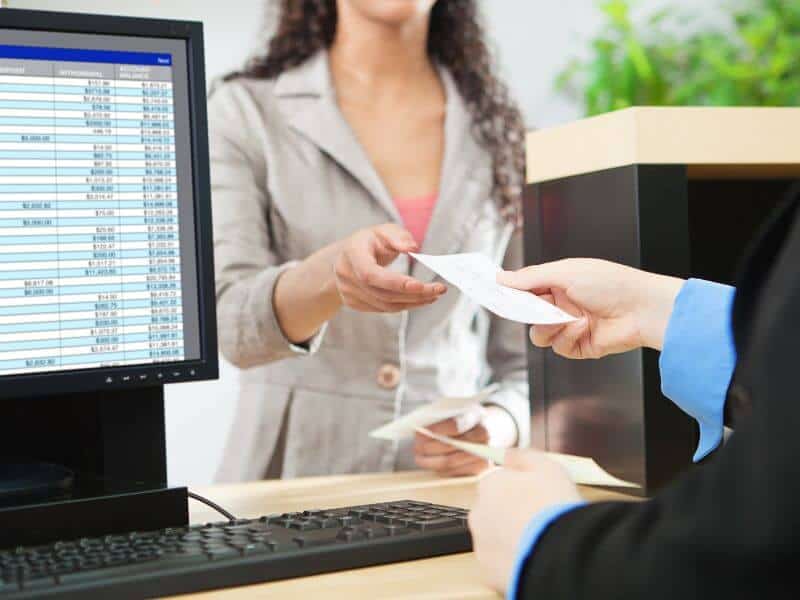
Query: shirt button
(388, 377)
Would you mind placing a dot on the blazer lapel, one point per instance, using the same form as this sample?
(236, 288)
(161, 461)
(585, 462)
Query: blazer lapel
(460, 191)
(307, 95)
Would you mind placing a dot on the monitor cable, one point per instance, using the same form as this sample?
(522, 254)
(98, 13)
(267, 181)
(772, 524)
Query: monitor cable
(213, 505)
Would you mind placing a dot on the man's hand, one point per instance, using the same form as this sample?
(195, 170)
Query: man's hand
(508, 498)
(620, 308)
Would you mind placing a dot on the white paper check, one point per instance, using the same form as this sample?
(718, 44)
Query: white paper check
(476, 276)
(444, 408)
(582, 470)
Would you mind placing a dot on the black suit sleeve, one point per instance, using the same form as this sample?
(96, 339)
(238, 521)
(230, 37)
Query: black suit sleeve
(728, 529)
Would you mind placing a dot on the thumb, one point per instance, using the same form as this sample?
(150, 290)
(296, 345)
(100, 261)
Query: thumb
(396, 238)
(523, 459)
(538, 277)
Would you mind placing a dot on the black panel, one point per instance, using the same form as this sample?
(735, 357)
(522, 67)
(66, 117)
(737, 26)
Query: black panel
(114, 443)
(609, 409)
(670, 434)
(723, 216)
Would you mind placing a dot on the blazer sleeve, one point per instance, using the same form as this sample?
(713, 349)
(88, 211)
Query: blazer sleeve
(247, 263)
(507, 358)
(728, 528)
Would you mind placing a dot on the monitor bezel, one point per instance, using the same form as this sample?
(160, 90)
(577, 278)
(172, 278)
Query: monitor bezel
(206, 367)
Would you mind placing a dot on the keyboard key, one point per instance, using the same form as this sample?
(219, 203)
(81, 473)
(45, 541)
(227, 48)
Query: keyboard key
(246, 548)
(328, 523)
(304, 525)
(428, 524)
(393, 530)
(346, 535)
(320, 537)
(219, 553)
(37, 582)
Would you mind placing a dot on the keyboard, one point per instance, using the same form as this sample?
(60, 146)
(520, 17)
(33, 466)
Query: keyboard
(143, 564)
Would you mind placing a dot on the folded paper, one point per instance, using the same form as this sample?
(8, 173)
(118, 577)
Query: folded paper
(582, 470)
(476, 276)
(444, 408)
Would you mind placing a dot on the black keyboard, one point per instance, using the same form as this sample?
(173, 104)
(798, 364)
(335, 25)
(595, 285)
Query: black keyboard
(202, 557)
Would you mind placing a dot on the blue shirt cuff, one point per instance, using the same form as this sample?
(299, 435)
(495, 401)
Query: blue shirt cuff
(530, 536)
(699, 357)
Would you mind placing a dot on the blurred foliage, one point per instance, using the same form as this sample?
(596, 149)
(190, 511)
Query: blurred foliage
(673, 60)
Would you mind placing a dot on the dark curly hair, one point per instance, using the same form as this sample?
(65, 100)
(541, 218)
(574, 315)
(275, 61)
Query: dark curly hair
(455, 41)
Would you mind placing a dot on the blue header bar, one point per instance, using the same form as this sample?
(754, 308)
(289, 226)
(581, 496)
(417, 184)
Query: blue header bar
(121, 57)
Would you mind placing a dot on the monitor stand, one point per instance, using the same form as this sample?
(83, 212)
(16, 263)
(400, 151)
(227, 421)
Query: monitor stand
(32, 479)
(85, 464)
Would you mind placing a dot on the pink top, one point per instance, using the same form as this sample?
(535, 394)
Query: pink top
(416, 214)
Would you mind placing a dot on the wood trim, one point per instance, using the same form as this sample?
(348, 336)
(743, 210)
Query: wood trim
(758, 138)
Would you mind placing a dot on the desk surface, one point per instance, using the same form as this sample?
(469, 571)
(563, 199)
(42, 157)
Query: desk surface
(455, 576)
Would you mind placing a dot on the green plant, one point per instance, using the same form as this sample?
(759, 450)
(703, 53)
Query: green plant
(670, 60)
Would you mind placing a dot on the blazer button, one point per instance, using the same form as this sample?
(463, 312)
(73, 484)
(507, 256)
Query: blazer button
(388, 377)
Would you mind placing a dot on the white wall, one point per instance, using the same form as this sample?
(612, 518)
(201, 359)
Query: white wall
(534, 39)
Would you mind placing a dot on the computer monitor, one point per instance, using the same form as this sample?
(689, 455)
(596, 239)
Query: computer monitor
(106, 266)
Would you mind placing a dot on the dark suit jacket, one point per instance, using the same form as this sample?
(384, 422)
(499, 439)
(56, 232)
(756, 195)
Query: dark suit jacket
(731, 527)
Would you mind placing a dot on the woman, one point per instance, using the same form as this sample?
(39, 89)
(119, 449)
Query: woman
(368, 129)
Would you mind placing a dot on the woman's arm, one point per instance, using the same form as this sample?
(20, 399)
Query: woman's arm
(350, 273)
(246, 262)
(267, 306)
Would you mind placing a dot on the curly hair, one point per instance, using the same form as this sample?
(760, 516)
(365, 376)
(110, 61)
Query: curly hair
(455, 41)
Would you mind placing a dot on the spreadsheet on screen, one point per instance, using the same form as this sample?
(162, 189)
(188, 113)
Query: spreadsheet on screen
(91, 267)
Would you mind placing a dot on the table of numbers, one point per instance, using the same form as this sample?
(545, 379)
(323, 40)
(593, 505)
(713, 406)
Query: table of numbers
(89, 242)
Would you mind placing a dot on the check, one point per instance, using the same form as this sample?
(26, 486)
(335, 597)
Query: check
(476, 276)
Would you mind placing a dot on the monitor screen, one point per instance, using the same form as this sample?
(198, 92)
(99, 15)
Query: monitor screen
(98, 233)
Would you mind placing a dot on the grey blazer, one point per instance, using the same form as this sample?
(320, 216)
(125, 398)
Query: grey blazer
(289, 177)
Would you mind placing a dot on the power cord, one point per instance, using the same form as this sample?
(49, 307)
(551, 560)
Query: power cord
(213, 505)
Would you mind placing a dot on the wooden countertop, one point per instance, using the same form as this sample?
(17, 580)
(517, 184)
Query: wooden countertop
(455, 576)
(713, 142)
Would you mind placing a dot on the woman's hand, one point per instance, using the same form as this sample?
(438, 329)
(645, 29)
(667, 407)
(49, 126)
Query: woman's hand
(365, 284)
(445, 460)
(620, 308)
(507, 500)
(489, 425)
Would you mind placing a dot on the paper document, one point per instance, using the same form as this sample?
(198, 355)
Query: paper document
(444, 408)
(494, 455)
(582, 470)
(476, 276)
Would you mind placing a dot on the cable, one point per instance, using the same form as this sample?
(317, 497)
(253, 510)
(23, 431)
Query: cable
(213, 505)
